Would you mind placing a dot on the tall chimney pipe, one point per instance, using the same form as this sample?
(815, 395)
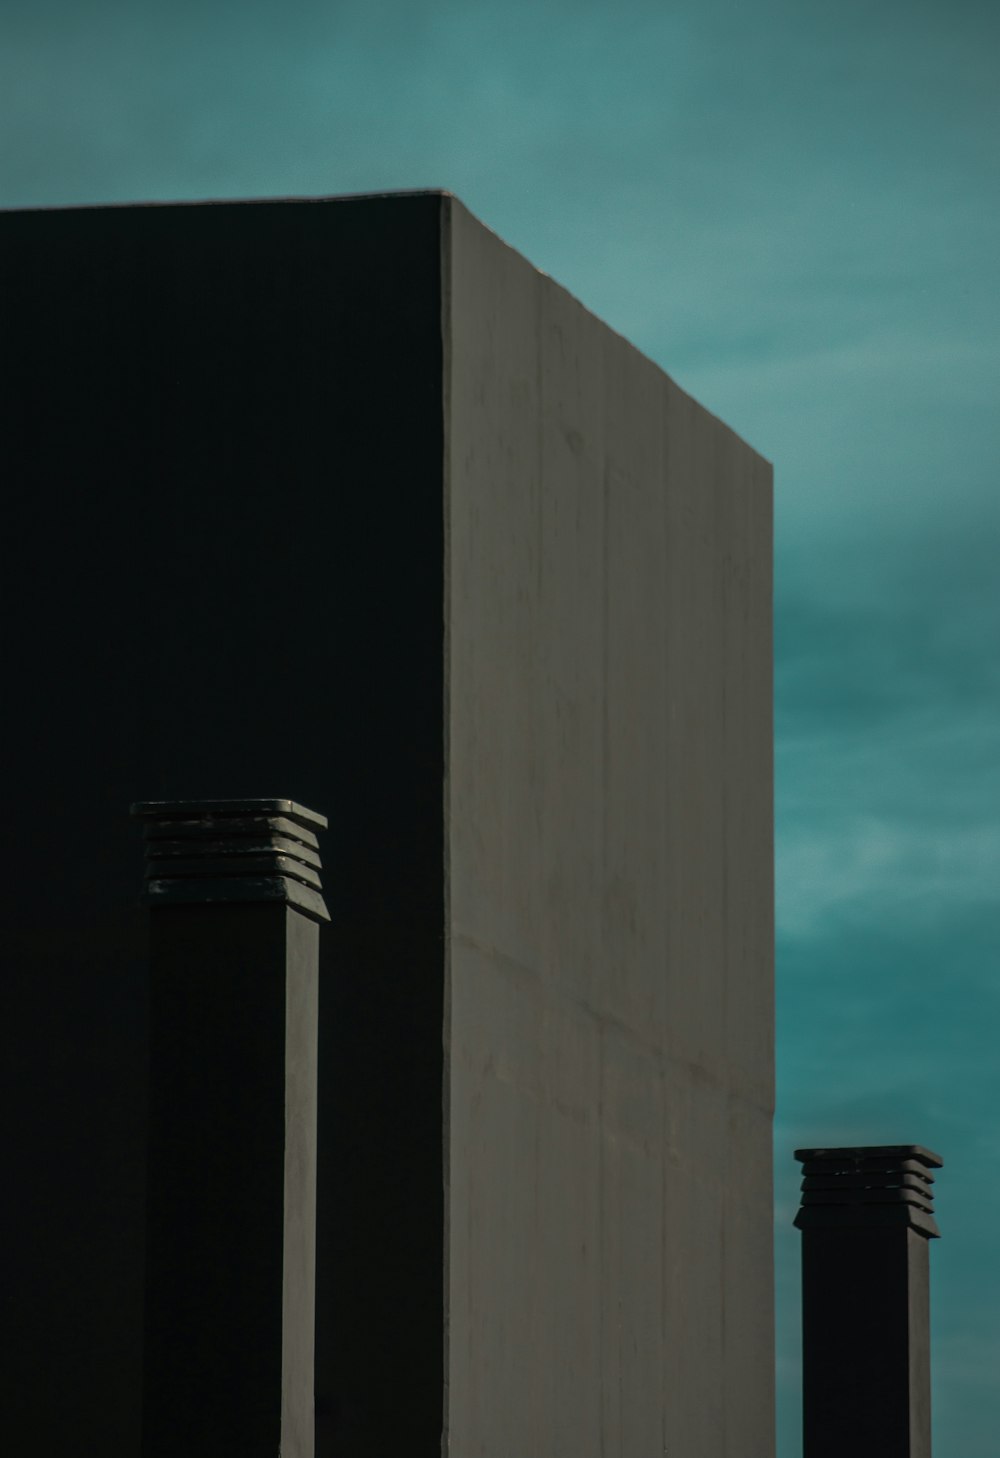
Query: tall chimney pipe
(234, 896)
(866, 1217)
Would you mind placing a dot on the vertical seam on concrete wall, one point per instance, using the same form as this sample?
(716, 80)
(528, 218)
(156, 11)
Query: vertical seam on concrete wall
(539, 322)
(605, 1377)
(723, 487)
(665, 425)
(445, 256)
(661, 489)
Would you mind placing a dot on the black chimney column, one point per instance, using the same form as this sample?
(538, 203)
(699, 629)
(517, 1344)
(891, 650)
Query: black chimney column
(235, 902)
(866, 1217)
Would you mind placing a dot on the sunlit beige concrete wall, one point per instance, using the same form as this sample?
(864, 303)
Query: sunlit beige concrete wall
(609, 927)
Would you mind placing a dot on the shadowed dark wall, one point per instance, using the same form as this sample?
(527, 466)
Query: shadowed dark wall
(222, 436)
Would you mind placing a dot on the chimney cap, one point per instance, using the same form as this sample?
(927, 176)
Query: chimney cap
(232, 851)
(852, 1153)
(868, 1186)
(209, 809)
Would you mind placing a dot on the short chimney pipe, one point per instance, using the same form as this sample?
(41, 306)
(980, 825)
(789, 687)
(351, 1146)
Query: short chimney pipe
(866, 1216)
(234, 905)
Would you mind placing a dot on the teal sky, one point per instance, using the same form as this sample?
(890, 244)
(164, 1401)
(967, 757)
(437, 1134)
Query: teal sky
(793, 208)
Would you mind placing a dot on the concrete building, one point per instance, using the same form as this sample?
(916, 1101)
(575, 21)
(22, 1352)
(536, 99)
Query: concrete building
(344, 500)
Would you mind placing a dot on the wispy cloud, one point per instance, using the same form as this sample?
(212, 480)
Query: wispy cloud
(880, 869)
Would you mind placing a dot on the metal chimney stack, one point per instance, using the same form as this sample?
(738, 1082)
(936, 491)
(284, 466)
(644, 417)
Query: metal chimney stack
(234, 895)
(866, 1216)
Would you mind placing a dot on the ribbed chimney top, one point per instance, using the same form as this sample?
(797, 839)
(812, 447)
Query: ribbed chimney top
(868, 1185)
(217, 851)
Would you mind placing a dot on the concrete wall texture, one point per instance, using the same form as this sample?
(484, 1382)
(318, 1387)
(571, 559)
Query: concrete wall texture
(610, 950)
(343, 500)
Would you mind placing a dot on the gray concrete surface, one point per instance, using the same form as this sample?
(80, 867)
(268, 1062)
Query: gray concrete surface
(609, 1011)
